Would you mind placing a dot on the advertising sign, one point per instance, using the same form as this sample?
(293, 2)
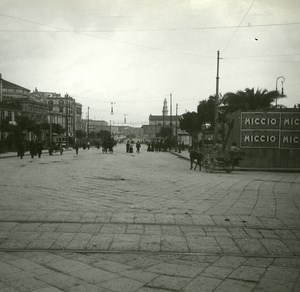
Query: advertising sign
(270, 130)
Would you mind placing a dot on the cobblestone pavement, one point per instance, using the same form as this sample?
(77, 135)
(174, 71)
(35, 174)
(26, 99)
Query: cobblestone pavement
(145, 222)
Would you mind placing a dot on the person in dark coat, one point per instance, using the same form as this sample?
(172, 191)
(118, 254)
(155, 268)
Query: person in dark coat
(76, 147)
(127, 147)
(39, 148)
(20, 149)
(32, 149)
(138, 146)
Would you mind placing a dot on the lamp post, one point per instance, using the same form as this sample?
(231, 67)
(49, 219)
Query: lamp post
(283, 79)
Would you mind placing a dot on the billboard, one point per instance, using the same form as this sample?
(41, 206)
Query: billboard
(270, 130)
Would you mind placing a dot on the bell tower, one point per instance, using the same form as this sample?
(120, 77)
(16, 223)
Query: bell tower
(165, 108)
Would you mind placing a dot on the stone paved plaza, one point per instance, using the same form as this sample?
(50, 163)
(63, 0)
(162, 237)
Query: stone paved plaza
(145, 222)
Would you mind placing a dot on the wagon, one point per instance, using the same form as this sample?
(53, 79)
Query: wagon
(226, 160)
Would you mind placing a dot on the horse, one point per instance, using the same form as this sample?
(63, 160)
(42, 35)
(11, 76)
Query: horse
(196, 156)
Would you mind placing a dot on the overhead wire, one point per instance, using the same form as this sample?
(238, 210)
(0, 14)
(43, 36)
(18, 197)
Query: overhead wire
(236, 30)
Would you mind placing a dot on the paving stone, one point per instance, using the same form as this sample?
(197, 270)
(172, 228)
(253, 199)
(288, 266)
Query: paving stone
(113, 228)
(169, 282)
(259, 262)
(112, 266)
(235, 286)
(164, 219)
(85, 287)
(293, 245)
(173, 243)
(228, 245)
(68, 227)
(79, 241)
(150, 243)
(59, 280)
(275, 247)
(247, 273)
(203, 244)
(203, 220)
(216, 272)
(153, 229)
(135, 229)
(7, 226)
(289, 262)
(139, 275)
(23, 282)
(229, 261)
(251, 246)
(125, 242)
(201, 283)
(274, 285)
(62, 241)
(93, 275)
(100, 242)
(175, 270)
(89, 217)
(285, 234)
(183, 219)
(122, 285)
(216, 231)
(123, 217)
(7, 288)
(144, 218)
(193, 230)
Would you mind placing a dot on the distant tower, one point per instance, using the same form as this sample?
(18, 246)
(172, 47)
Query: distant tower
(165, 108)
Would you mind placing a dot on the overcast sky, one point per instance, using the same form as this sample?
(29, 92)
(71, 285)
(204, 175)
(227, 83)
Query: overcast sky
(136, 52)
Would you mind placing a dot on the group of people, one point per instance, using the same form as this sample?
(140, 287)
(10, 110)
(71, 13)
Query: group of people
(130, 144)
(35, 148)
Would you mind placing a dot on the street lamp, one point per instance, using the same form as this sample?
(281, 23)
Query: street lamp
(283, 79)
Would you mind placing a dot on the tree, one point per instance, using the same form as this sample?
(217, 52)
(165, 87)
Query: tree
(249, 99)
(206, 111)
(190, 122)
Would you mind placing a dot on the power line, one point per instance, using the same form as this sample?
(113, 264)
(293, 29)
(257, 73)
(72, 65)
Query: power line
(238, 26)
(145, 29)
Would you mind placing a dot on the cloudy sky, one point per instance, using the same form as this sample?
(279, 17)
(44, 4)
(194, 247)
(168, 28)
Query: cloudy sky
(134, 53)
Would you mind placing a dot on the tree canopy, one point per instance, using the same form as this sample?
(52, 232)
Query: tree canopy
(249, 99)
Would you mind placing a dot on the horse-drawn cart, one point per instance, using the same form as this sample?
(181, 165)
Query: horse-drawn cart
(225, 160)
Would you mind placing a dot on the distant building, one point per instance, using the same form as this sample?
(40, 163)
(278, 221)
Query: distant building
(63, 110)
(157, 122)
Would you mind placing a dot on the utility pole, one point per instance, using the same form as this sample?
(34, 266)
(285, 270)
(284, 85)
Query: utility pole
(67, 120)
(171, 124)
(176, 132)
(88, 124)
(217, 100)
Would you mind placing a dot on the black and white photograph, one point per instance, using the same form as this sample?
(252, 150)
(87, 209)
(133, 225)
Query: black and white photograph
(149, 145)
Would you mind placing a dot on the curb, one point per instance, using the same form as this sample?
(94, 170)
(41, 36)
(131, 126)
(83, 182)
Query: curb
(290, 170)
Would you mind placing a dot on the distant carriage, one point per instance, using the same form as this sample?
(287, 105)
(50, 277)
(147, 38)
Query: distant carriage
(212, 159)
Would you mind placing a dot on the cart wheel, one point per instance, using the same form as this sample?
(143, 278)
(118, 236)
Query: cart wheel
(209, 164)
(228, 166)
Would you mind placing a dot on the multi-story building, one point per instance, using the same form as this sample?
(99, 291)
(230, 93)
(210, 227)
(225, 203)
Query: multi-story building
(17, 101)
(63, 110)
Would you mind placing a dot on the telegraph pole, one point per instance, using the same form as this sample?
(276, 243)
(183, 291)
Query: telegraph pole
(217, 100)
(171, 124)
(88, 123)
(176, 133)
(67, 120)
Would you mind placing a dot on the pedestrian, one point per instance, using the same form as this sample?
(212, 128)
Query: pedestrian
(61, 149)
(138, 146)
(39, 148)
(127, 146)
(76, 147)
(32, 149)
(20, 149)
(88, 145)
